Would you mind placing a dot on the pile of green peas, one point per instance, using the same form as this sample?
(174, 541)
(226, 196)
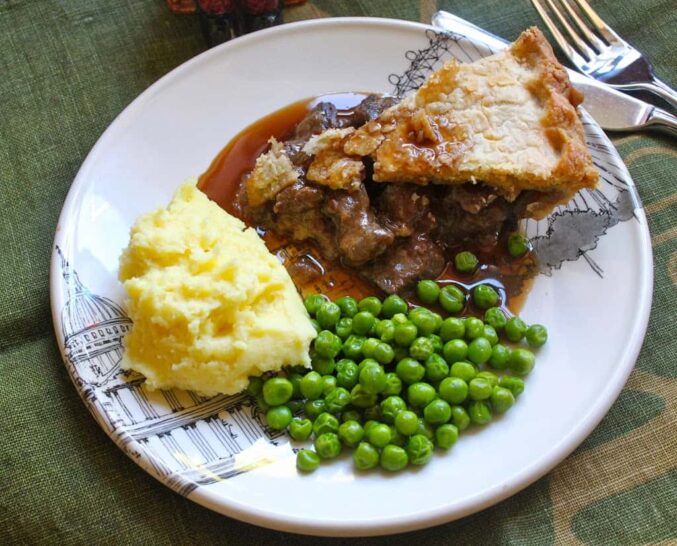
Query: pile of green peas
(392, 383)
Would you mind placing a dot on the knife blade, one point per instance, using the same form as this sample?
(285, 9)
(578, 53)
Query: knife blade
(613, 110)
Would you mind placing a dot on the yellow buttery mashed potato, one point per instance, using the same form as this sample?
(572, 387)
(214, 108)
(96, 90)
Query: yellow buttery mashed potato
(210, 305)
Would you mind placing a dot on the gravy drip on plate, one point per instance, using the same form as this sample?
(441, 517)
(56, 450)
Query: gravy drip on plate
(511, 277)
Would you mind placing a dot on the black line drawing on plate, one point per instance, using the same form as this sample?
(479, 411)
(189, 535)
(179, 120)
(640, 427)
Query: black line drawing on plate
(185, 439)
(573, 230)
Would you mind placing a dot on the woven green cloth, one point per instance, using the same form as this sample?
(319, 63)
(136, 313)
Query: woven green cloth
(67, 68)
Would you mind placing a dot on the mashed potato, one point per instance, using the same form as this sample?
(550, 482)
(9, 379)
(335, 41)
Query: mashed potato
(210, 305)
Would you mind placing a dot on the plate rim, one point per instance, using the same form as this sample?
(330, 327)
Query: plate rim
(306, 524)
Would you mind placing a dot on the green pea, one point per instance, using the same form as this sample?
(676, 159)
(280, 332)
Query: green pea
(307, 460)
(278, 417)
(370, 423)
(490, 334)
(390, 407)
(446, 436)
(373, 379)
(351, 433)
(426, 321)
(484, 296)
(313, 408)
(437, 412)
(420, 394)
(537, 335)
(453, 390)
(425, 429)
(436, 368)
(352, 347)
(351, 415)
(479, 412)
(295, 380)
(328, 445)
(313, 302)
(367, 362)
(502, 399)
(466, 262)
(405, 334)
(261, 403)
(452, 328)
(500, 357)
(369, 346)
(464, 370)
(452, 299)
(328, 315)
(325, 422)
(474, 328)
(420, 449)
(455, 350)
(421, 348)
(479, 389)
(300, 429)
(396, 437)
(514, 384)
(362, 399)
(365, 456)
(363, 322)
(295, 406)
(394, 458)
(409, 370)
(327, 344)
(427, 291)
(344, 327)
(460, 417)
(495, 317)
(489, 376)
(521, 361)
(322, 365)
(372, 305)
(393, 385)
(399, 318)
(385, 330)
(479, 350)
(277, 391)
(406, 422)
(384, 353)
(337, 399)
(348, 306)
(379, 435)
(254, 387)
(392, 305)
(437, 343)
(515, 329)
(328, 384)
(347, 373)
(316, 326)
(518, 245)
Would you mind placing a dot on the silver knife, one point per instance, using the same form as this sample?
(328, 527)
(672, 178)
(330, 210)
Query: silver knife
(613, 110)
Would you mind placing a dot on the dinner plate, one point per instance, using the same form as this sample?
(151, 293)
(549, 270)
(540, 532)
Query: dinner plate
(594, 294)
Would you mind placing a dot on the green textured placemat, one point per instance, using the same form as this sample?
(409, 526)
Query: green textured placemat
(67, 68)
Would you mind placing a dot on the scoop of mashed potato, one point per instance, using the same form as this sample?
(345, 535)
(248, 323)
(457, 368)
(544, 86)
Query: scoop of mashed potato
(210, 305)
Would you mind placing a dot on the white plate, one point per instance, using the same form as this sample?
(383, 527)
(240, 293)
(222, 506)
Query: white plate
(594, 296)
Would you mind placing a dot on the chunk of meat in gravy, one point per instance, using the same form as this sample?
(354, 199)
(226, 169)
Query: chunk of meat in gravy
(370, 108)
(359, 234)
(319, 119)
(406, 208)
(298, 215)
(410, 260)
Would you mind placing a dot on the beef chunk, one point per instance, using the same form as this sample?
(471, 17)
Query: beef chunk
(406, 208)
(319, 119)
(370, 108)
(359, 235)
(298, 215)
(410, 260)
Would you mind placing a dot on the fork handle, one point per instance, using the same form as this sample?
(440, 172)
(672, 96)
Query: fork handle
(662, 119)
(655, 86)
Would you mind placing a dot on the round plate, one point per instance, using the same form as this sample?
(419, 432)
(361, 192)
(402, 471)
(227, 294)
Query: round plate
(594, 295)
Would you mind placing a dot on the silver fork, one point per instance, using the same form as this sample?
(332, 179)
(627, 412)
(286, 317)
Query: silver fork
(604, 56)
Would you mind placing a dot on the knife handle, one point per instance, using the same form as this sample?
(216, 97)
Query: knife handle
(662, 119)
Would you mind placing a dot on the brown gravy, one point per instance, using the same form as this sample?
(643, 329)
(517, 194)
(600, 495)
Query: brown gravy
(512, 278)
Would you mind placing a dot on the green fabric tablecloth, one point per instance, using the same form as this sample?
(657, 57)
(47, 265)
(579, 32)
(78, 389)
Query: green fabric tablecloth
(67, 68)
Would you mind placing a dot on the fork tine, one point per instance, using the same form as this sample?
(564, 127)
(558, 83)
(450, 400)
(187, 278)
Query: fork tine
(580, 44)
(598, 44)
(569, 51)
(605, 30)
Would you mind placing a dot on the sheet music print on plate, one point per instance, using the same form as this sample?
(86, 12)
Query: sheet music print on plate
(572, 230)
(186, 439)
